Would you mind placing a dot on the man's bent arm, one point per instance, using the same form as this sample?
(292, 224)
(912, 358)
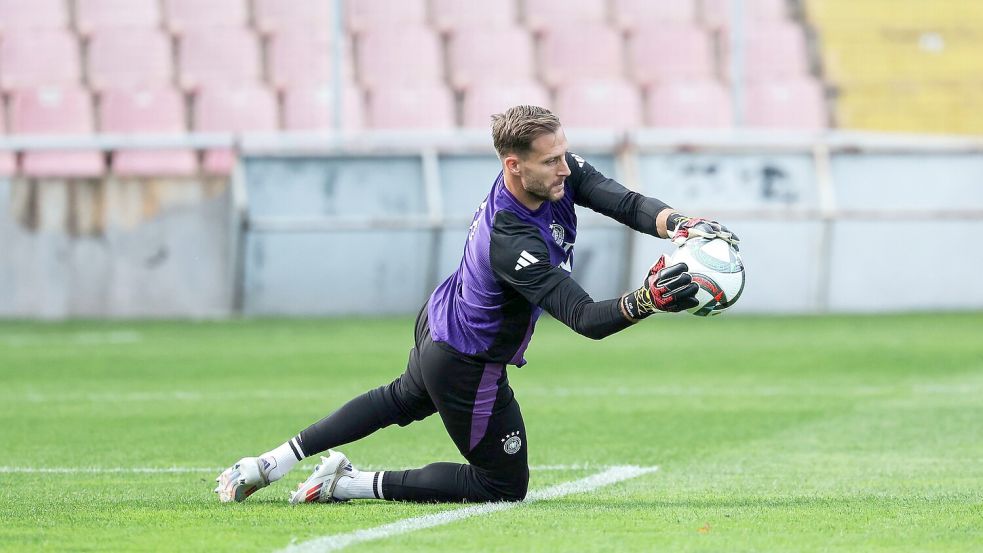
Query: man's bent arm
(609, 197)
(568, 303)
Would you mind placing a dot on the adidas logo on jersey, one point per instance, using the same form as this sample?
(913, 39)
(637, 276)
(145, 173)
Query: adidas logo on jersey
(525, 259)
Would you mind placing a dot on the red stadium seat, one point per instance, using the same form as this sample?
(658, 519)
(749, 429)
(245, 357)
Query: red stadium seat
(704, 104)
(242, 109)
(38, 58)
(8, 164)
(451, 15)
(600, 104)
(483, 100)
(310, 109)
(567, 55)
(774, 50)
(547, 15)
(796, 104)
(642, 15)
(278, 15)
(364, 15)
(417, 107)
(218, 57)
(32, 14)
(55, 111)
(183, 15)
(716, 13)
(148, 110)
(482, 55)
(670, 53)
(299, 58)
(398, 57)
(129, 57)
(94, 15)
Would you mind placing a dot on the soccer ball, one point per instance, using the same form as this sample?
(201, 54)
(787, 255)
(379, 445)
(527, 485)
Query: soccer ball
(717, 268)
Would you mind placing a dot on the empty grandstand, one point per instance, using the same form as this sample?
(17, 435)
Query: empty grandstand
(173, 66)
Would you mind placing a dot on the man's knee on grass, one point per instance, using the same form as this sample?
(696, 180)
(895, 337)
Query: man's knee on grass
(505, 485)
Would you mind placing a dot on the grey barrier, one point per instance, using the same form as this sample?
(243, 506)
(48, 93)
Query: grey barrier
(327, 224)
(838, 222)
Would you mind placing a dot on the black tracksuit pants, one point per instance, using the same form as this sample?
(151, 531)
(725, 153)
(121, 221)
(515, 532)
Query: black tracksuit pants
(478, 409)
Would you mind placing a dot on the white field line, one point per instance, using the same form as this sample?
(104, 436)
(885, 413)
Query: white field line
(559, 392)
(335, 542)
(216, 470)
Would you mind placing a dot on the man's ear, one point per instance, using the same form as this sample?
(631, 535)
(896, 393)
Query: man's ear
(512, 164)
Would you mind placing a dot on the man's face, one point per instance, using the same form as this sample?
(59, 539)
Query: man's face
(544, 168)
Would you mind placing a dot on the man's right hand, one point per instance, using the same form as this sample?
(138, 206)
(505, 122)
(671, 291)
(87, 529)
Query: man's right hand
(665, 289)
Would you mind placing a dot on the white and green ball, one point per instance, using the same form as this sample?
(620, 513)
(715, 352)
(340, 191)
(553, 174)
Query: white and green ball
(717, 268)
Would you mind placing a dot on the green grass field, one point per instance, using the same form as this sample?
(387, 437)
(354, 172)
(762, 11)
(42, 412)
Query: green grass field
(781, 434)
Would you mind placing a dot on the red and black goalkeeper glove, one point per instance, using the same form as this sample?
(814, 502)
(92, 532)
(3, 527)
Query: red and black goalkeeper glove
(666, 290)
(683, 228)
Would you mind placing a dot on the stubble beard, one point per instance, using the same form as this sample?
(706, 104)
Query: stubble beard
(542, 192)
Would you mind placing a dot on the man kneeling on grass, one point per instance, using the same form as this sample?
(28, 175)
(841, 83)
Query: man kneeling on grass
(517, 262)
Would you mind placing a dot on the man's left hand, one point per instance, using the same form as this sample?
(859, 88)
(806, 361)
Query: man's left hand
(691, 227)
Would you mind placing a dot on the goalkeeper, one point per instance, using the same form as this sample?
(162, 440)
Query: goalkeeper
(517, 263)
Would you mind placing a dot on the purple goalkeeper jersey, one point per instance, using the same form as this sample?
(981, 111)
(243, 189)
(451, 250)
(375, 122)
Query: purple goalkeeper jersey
(513, 257)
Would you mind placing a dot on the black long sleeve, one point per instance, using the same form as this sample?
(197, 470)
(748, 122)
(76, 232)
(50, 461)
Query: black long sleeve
(608, 197)
(568, 303)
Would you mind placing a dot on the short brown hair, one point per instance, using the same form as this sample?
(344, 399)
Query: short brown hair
(515, 130)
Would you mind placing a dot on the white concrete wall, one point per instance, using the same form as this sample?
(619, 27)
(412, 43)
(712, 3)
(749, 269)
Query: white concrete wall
(114, 249)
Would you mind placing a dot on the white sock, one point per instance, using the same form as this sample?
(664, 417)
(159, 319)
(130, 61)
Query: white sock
(278, 462)
(359, 484)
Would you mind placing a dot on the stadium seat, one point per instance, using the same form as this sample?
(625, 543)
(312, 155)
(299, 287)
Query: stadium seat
(242, 109)
(405, 56)
(149, 110)
(544, 15)
(8, 164)
(20, 15)
(639, 15)
(716, 13)
(670, 53)
(600, 104)
(483, 55)
(703, 104)
(66, 110)
(312, 108)
(567, 56)
(218, 57)
(413, 107)
(451, 15)
(94, 15)
(48, 57)
(129, 57)
(482, 100)
(183, 15)
(775, 50)
(797, 104)
(273, 16)
(365, 15)
(908, 14)
(303, 59)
